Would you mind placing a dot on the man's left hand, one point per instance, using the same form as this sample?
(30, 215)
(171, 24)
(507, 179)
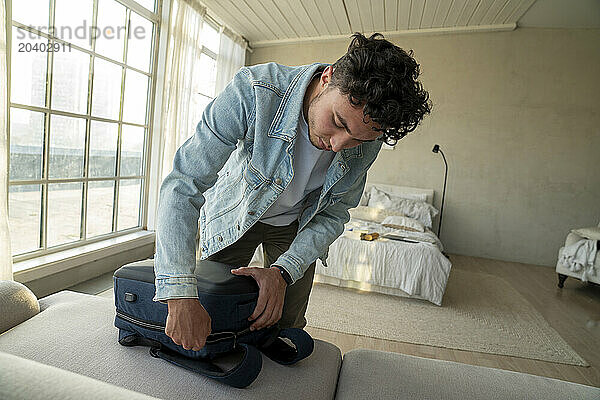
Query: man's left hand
(271, 295)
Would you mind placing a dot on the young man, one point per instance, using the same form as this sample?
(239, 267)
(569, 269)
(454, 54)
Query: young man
(278, 158)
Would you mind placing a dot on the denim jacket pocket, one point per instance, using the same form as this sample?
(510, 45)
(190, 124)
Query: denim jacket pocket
(253, 177)
(228, 203)
(336, 197)
(224, 198)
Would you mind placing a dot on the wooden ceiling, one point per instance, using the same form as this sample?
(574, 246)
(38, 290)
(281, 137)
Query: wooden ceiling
(266, 22)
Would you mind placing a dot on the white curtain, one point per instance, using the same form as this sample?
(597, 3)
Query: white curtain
(231, 57)
(5, 253)
(181, 108)
(183, 54)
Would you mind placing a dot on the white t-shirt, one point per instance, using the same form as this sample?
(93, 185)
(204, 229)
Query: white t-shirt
(310, 167)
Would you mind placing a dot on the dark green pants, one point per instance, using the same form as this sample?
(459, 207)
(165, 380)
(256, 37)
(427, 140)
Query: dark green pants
(275, 240)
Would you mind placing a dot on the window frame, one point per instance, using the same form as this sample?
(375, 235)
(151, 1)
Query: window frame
(45, 181)
(208, 52)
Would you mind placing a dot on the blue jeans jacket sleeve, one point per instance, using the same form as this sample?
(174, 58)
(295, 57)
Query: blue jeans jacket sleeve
(181, 192)
(314, 240)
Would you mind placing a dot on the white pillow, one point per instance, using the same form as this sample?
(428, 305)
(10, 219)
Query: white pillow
(420, 210)
(379, 199)
(404, 223)
(410, 196)
(371, 214)
(588, 233)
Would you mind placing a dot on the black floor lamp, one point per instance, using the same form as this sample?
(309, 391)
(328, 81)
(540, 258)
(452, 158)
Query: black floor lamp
(436, 149)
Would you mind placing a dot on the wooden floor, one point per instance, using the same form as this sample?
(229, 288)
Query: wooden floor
(574, 312)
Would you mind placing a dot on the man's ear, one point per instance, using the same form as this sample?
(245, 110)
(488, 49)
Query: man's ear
(326, 75)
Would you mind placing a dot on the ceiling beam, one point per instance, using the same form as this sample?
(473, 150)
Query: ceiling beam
(387, 34)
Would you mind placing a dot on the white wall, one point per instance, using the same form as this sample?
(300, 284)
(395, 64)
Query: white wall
(517, 115)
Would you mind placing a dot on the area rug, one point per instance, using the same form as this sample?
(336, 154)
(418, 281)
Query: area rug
(480, 312)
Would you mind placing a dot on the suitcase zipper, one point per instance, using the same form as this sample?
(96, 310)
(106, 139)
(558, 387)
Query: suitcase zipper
(136, 321)
(212, 338)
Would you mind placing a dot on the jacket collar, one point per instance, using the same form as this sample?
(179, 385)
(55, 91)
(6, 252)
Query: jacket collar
(285, 123)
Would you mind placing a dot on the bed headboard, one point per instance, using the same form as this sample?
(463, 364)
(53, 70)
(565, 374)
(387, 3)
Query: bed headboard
(400, 190)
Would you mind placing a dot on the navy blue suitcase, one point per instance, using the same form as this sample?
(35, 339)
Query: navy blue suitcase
(229, 300)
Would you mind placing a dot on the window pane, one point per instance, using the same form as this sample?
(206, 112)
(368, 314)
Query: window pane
(135, 97)
(210, 37)
(129, 203)
(64, 213)
(70, 81)
(100, 208)
(132, 147)
(197, 106)
(26, 144)
(111, 24)
(31, 12)
(103, 148)
(27, 69)
(24, 204)
(67, 145)
(72, 21)
(139, 45)
(205, 76)
(106, 92)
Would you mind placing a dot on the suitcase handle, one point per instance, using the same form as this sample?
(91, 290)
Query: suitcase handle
(282, 353)
(239, 376)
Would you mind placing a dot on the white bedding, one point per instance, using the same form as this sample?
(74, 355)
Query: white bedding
(387, 266)
(418, 269)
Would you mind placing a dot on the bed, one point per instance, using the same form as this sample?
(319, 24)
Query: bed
(400, 268)
(406, 260)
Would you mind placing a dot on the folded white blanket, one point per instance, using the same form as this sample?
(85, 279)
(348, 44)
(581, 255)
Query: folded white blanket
(580, 256)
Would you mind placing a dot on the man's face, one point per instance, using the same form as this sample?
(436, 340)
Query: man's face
(334, 123)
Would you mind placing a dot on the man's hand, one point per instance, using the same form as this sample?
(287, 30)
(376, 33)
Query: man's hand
(271, 295)
(188, 323)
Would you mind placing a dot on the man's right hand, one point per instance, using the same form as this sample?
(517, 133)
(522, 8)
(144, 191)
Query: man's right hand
(188, 323)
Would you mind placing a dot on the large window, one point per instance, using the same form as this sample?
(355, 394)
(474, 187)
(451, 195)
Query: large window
(81, 79)
(206, 76)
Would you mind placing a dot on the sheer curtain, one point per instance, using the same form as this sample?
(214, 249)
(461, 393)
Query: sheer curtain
(183, 55)
(182, 77)
(5, 254)
(232, 56)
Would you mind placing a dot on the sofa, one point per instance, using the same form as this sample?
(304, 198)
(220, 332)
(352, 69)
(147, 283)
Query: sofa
(64, 346)
(574, 236)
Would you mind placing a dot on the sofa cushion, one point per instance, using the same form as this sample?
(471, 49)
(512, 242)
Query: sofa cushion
(75, 332)
(368, 374)
(17, 304)
(53, 383)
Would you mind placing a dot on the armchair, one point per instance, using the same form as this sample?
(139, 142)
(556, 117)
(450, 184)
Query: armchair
(574, 236)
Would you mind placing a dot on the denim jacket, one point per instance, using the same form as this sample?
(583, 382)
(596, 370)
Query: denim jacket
(236, 164)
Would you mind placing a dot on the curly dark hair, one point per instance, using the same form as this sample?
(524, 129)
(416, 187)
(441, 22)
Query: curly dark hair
(383, 77)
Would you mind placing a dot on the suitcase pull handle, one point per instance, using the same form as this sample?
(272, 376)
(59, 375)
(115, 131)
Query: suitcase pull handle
(282, 353)
(130, 297)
